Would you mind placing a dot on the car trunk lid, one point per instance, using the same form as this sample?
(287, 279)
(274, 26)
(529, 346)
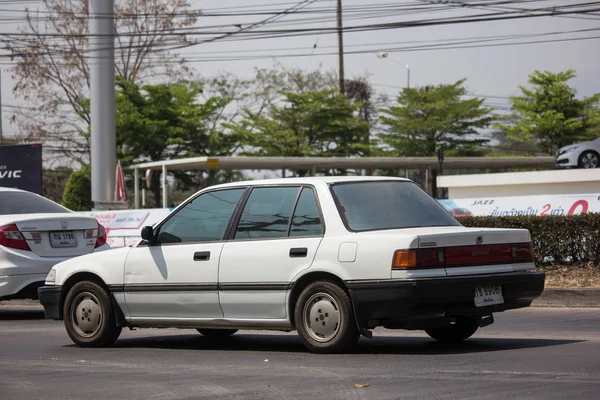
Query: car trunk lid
(58, 235)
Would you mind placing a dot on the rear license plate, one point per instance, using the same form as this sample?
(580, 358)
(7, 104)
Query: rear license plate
(63, 239)
(488, 295)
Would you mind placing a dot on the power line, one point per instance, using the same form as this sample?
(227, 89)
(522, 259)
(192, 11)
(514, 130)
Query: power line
(356, 28)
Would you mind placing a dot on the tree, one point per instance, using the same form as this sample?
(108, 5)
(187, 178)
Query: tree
(165, 121)
(431, 117)
(549, 114)
(78, 191)
(52, 65)
(593, 122)
(54, 182)
(320, 123)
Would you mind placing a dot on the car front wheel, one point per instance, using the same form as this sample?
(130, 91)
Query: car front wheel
(462, 329)
(589, 159)
(89, 317)
(324, 318)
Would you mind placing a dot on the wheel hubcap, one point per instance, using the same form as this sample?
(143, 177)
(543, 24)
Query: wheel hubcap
(86, 314)
(589, 161)
(322, 317)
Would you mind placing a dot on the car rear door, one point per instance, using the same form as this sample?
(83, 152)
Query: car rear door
(276, 236)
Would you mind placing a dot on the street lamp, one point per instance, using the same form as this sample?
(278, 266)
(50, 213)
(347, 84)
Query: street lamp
(386, 55)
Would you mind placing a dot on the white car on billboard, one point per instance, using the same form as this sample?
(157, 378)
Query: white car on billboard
(579, 155)
(35, 235)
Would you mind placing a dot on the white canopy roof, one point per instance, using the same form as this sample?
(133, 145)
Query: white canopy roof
(278, 163)
(316, 163)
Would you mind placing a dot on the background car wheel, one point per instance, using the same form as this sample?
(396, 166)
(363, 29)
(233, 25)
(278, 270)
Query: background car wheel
(324, 318)
(89, 317)
(462, 329)
(217, 333)
(589, 159)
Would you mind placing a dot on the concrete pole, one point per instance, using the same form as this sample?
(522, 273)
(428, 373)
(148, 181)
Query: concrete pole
(164, 186)
(0, 107)
(136, 187)
(102, 99)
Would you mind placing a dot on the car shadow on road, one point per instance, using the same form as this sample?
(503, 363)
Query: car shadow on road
(8, 314)
(378, 345)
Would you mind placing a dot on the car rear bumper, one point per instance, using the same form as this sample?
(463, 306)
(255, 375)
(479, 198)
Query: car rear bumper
(50, 299)
(388, 302)
(20, 286)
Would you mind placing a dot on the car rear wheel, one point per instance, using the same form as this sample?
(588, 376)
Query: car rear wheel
(89, 317)
(217, 333)
(462, 329)
(324, 318)
(589, 159)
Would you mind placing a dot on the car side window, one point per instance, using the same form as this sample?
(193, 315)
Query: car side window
(204, 219)
(267, 213)
(306, 220)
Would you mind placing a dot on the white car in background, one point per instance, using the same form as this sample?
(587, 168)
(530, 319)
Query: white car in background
(331, 257)
(35, 235)
(580, 155)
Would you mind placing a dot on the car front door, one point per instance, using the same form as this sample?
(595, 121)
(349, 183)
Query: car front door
(277, 236)
(177, 276)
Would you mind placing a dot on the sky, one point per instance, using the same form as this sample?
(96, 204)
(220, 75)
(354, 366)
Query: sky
(493, 72)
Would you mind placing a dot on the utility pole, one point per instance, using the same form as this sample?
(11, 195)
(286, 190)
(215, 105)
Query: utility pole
(102, 99)
(340, 47)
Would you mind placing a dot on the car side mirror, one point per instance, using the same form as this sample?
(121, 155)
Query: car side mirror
(148, 234)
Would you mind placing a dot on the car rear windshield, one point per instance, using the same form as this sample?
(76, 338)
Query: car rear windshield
(27, 203)
(366, 206)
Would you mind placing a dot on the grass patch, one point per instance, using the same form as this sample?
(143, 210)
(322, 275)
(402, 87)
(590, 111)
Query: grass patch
(572, 276)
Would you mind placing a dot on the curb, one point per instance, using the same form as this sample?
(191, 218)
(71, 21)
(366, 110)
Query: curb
(567, 297)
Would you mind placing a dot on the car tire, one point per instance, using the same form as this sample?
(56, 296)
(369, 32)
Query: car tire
(462, 329)
(589, 159)
(89, 316)
(217, 333)
(324, 318)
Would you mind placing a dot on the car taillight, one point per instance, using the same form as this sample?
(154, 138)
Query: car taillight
(101, 238)
(522, 253)
(463, 256)
(12, 238)
(419, 258)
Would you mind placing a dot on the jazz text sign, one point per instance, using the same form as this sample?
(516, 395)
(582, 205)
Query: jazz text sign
(568, 204)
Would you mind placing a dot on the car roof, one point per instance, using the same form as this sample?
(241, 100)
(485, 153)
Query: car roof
(7, 189)
(312, 180)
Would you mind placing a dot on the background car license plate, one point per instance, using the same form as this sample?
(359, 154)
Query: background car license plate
(63, 239)
(488, 295)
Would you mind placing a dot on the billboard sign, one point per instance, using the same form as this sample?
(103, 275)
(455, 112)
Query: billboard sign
(21, 167)
(541, 205)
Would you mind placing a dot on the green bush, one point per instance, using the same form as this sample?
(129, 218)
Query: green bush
(78, 191)
(557, 240)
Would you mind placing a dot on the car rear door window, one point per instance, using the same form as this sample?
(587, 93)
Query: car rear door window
(203, 219)
(306, 220)
(267, 213)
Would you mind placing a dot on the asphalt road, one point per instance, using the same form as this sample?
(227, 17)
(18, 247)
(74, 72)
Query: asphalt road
(538, 353)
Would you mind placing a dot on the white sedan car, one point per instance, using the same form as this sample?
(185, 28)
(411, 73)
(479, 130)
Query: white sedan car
(329, 257)
(35, 235)
(580, 155)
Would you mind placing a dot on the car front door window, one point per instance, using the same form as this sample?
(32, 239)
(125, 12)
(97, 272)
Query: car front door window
(204, 219)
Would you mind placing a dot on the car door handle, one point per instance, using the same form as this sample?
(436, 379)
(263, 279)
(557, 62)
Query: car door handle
(298, 252)
(202, 256)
